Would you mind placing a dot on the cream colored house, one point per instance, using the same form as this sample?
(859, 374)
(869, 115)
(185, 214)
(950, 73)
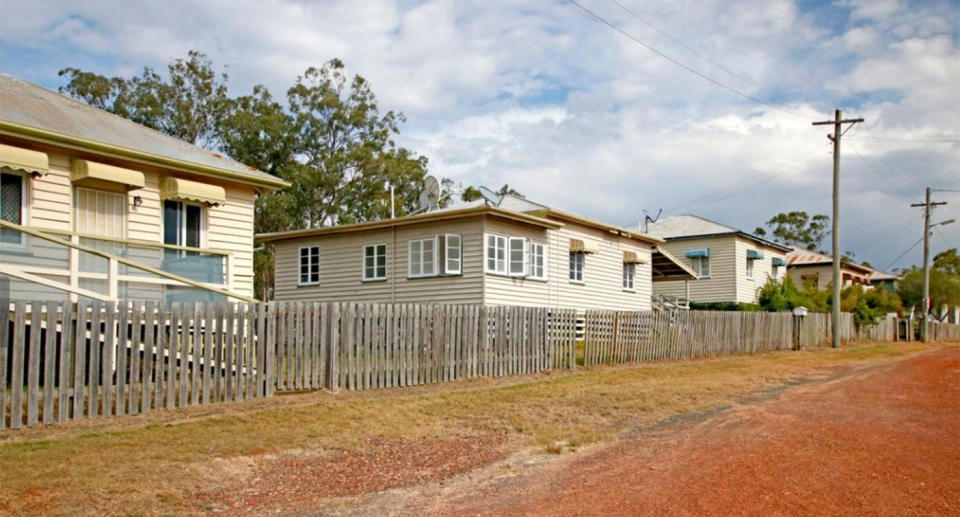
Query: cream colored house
(95, 206)
(732, 265)
(518, 253)
(809, 268)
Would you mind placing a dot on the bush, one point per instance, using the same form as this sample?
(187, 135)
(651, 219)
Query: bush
(725, 306)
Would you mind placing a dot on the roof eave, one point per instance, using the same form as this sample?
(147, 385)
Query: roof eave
(559, 214)
(409, 220)
(737, 233)
(39, 135)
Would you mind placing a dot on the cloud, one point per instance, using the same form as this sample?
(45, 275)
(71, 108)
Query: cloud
(545, 98)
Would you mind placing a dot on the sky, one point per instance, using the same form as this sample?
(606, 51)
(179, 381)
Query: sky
(604, 117)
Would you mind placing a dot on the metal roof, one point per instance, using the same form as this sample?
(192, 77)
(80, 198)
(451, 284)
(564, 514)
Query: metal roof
(29, 110)
(689, 226)
(803, 257)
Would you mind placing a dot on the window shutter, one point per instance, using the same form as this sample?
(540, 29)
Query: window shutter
(442, 254)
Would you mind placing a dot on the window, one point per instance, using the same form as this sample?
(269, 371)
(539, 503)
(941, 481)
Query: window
(629, 270)
(775, 270)
(452, 254)
(496, 254)
(182, 224)
(309, 265)
(701, 266)
(576, 267)
(750, 268)
(375, 262)
(12, 202)
(518, 256)
(538, 261)
(423, 258)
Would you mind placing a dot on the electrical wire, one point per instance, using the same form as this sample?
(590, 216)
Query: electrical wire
(916, 140)
(682, 44)
(914, 245)
(713, 192)
(705, 77)
(878, 173)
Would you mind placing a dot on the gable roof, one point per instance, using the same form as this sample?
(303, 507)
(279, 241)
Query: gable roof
(35, 113)
(803, 257)
(690, 226)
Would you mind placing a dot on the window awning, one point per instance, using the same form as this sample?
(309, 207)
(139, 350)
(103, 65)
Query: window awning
(631, 257)
(178, 188)
(584, 246)
(20, 159)
(85, 172)
(754, 255)
(777, 261)
(698, 253)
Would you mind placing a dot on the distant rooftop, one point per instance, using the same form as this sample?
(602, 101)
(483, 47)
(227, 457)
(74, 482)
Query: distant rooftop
(28, 105)
(805, 257)
(687, 226)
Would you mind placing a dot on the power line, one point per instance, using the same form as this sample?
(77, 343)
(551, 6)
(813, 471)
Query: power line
(914, 245)
(917, 140)
(878, 173)
(678, 42)
(714, 192)
(942, 237)
(683, 66)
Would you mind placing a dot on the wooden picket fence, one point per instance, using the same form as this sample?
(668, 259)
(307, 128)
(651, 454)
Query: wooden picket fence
(64, 361)
(69, 361)
(613, 337)
(816, 329)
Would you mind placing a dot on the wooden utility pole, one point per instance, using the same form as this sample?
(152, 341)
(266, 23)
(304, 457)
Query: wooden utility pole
(927, 207)
(838, 123)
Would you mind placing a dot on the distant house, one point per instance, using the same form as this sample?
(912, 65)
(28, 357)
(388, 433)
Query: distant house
(80, 175)
(517, 253)
(812, 269)
(732, 265)
(883, 280)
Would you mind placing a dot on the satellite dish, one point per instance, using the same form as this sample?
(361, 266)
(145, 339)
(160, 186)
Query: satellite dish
(430, 196)
(490, 196)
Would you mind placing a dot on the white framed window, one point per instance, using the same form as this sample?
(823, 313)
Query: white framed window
(309, 265)
(701, 266)
(750, 268)
(518, 256)
(576, 267)
(452, 254)
(183, 224)
(13, 205)
(496, 254)
(774, 270)
(422, 258)
(538, 261)
(629, 271)
(375, 262)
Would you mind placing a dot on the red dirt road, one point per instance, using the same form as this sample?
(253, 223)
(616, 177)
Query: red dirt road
(885, 441)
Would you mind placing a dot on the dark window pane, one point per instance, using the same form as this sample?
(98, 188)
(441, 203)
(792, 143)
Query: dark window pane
(171, 222)
(11, 198)
(193, 225)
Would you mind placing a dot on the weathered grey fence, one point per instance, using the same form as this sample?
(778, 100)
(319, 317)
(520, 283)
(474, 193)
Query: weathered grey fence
(70, 361)
(816, 329)
(621, 337)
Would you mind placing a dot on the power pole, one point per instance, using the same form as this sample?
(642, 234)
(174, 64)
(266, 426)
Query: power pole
(927, 207)
(837, 122)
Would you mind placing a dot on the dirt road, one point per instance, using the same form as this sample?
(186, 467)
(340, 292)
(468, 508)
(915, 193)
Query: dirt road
(885, 441)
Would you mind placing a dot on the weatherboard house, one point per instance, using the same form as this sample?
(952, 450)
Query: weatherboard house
(732, 265)
(813, 269)
(508, 251)
(96, 207)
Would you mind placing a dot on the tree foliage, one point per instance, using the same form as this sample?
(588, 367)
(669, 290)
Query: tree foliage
(473, 193)
(797, 229)
(867, 305)
(944, 282)
(329, 139)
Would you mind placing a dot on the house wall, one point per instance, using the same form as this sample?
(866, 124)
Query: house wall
(825, 275)
(603, 271)
(507, 290)
(748, 289)
(721, 286)
(228, 227)
(341, 267)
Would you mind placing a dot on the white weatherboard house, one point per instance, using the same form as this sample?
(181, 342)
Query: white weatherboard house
(732, 265)
(516, 253)
(94, 206)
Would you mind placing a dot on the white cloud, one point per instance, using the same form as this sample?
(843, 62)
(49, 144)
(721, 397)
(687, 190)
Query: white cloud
(542, 97)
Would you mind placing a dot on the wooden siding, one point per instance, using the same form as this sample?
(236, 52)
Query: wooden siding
(228, 227)
(341, 263)
(602, 286)
(721, 286)
(748, 289)
(508, 290)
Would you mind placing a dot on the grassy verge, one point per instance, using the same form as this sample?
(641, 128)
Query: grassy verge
(151, 464)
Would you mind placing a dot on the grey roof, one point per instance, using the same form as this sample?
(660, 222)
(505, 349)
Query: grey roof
(687, 226)
(27, 104)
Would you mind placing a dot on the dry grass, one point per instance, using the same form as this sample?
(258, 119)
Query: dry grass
(148, 464)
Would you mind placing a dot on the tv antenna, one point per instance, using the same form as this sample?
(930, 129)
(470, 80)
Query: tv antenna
(647, 219)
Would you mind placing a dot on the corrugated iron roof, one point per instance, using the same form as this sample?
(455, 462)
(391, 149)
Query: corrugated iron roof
(26, 104)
